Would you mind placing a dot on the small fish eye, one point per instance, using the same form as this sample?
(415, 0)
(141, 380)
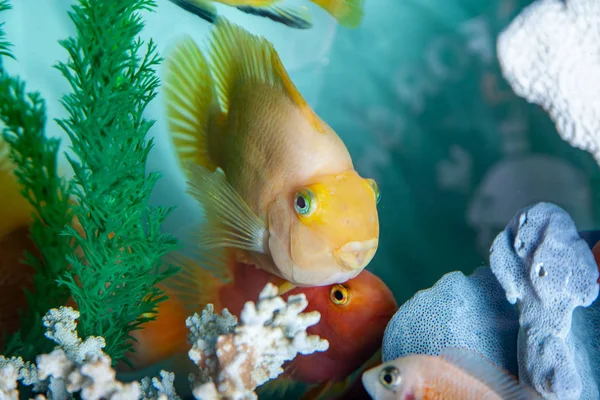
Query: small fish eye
(339, 294)
(390, 377)
(304, 202)
(375, 189)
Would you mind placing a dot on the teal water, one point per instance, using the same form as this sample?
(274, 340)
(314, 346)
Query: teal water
(416, 93)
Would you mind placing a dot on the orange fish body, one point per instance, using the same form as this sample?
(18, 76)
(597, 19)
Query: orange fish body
(457, 374)
(353, 319)
(276, 184)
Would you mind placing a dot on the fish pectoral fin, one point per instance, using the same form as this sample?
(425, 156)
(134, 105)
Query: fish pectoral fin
(286, 287)
(230, 221)
(238, 57)
(189, 97)
(294, 17)
(204, 9)
(496, 378)
(348, 13)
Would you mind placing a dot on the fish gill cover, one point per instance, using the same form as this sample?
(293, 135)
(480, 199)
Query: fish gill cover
(111, 262)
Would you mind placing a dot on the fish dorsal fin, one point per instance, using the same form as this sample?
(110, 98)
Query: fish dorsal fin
(497, 379)
(188, 96)
(196, 284)
(230, 221)
(294, 17)
(238, 56)
(204, 9)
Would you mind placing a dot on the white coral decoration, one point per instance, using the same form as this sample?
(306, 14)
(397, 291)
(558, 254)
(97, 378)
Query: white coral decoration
(270, 333)
(550, 55)
(73, 366)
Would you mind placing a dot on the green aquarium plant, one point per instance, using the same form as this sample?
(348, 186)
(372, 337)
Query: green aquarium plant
(113, 80)
(35, 156)
(112, 266)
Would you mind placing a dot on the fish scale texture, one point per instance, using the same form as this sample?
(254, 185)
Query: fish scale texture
(458, 311)
(548, 270)
(556, 308)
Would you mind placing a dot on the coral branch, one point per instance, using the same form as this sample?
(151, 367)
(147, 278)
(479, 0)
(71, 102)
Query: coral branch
(235, 359)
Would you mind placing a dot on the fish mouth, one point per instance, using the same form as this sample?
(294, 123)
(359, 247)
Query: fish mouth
(358, 254)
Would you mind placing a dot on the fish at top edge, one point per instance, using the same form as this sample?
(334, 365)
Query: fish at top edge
(456, 374)
(276, 183)
(348, 13)
(353, 318)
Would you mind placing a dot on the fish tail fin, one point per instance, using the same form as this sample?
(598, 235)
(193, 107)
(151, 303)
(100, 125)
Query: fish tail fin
(188, 291)
(204, 9)
(189, 98)
(348, 13)
(239, 57)
(496, 378)
(294, 17)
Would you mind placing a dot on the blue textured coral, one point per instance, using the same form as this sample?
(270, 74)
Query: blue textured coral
(549, 337)
(458, 311)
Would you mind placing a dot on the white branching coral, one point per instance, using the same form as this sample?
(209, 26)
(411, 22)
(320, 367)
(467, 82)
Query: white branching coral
(235, 359)
(550, 55)
(73, 366)
(160, 388)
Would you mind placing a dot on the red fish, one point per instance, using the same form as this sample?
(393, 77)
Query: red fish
(353, 318)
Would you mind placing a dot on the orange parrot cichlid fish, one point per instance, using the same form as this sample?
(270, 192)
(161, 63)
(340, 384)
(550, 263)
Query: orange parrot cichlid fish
(456, 374)
(276, 183)
(353, 318)
(348, 13)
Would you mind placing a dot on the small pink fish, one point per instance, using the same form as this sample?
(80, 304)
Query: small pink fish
(457, 374)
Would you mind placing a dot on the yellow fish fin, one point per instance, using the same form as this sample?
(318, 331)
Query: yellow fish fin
(285, 287)
(497, 379)
(230, 221)
(294, 17)
(189, 98)
(238, 57)
(205, 9)
(198, 282)
(348, 13)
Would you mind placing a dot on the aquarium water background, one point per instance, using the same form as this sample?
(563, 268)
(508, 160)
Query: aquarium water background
(417, 94)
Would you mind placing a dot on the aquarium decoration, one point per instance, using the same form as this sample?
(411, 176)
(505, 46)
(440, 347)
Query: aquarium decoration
(33, 157)
(112, 275)
(540, 264)
(550, 56)
(233, 357)
(548, 270)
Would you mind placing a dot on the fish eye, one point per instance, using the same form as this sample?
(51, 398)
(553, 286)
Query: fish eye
(390, 377)
(375, 189)
(339, 294)
(304, 202)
